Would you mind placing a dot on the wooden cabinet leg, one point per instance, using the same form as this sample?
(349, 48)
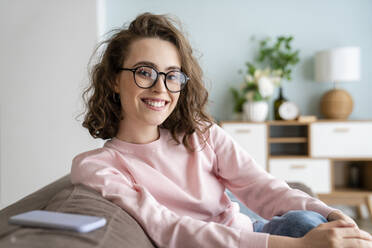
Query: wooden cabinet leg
(369, 206)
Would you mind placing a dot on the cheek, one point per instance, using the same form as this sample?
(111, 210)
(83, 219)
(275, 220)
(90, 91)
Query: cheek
(175, 99)
(128, 95)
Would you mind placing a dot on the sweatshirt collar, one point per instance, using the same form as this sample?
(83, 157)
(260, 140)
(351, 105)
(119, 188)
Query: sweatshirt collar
(128, 147)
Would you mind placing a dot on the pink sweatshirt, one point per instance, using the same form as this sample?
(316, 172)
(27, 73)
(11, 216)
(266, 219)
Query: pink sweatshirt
(179, 197)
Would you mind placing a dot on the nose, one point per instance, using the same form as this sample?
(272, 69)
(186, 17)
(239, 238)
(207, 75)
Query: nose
(160, 84)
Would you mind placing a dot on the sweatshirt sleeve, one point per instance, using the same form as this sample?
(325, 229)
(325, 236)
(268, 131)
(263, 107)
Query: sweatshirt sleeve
(98, 170)
(252, 185)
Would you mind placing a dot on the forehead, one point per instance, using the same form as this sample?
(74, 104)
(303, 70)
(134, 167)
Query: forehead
(160, 52)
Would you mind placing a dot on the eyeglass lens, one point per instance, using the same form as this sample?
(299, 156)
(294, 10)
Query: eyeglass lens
(146, 76)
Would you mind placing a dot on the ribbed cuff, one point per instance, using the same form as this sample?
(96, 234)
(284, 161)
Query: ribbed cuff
(323, 210)
(253, 239)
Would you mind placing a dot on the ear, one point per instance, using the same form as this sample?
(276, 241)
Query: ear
(116, 86)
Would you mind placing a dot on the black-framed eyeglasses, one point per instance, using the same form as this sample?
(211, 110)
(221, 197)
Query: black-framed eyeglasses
(146, 77)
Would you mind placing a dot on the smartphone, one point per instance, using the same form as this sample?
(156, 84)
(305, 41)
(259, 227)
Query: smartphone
(57, 220)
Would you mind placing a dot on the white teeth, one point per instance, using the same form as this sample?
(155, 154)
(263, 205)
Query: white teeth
(155, 104)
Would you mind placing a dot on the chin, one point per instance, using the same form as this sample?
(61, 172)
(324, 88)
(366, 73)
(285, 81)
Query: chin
(155, 122)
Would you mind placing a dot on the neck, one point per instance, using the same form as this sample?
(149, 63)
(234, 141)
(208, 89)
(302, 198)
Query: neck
(136, 133)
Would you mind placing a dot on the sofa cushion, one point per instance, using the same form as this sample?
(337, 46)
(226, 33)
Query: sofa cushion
(121, 229)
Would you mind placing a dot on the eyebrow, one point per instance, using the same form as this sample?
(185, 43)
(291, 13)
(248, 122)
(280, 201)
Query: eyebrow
(155, 66)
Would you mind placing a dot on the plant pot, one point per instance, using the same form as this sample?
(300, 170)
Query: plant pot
(255, 111)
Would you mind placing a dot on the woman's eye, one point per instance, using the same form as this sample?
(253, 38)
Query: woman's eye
(173, 77)
(144, 73)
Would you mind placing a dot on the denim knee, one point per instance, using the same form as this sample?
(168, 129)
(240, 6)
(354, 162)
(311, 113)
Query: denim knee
(294, 223)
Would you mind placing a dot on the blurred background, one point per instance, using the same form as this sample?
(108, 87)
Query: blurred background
(46, 46)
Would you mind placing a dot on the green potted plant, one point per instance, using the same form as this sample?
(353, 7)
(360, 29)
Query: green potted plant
(259, 85)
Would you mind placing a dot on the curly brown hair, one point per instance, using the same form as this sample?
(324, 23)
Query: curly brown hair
(103, 108)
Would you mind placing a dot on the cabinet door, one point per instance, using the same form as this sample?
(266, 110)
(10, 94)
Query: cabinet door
(341, 139)
(252, 137)
(314, 173)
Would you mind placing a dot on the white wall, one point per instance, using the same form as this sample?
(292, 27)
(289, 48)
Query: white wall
(45, 46)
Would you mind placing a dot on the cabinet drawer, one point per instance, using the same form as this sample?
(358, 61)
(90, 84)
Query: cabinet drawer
(252, 137)
(341, 139)
(315, 173)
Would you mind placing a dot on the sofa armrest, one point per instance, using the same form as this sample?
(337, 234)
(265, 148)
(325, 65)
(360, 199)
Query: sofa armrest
(34, 201)
(121, 229)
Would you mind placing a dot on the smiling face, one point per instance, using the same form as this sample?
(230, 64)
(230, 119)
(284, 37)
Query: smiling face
(143, 108)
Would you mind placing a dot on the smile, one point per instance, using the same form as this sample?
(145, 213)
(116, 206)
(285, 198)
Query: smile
(155, 104)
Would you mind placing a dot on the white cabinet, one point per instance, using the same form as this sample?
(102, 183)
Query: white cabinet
(252, 137)
(314, 173)
(341, 139)
(314, 153)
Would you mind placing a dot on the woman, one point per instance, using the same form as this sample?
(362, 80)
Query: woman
(168, 165)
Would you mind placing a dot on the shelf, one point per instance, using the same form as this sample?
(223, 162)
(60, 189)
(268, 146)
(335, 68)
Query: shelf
(288, 149)
(361, 159)
(288, 156)
(349, 196)
(288, 140)
(351, 191)
(288, 131)
(287, 123)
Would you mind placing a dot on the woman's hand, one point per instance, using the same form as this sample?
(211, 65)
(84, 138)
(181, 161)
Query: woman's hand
(338, 233)
(338, 215)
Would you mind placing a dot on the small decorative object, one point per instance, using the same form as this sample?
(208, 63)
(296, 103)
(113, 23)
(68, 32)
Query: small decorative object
(355, 175)
(279, 56)
(307, 118)
(255, 111)
(337, 65)
(288, 111)
(281, 99)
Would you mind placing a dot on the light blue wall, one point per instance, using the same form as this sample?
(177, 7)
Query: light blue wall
(221, 31)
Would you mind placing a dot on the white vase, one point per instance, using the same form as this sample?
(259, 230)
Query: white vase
(255, 111)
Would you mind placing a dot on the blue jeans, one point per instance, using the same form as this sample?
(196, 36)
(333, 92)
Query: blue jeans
(292, 224)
